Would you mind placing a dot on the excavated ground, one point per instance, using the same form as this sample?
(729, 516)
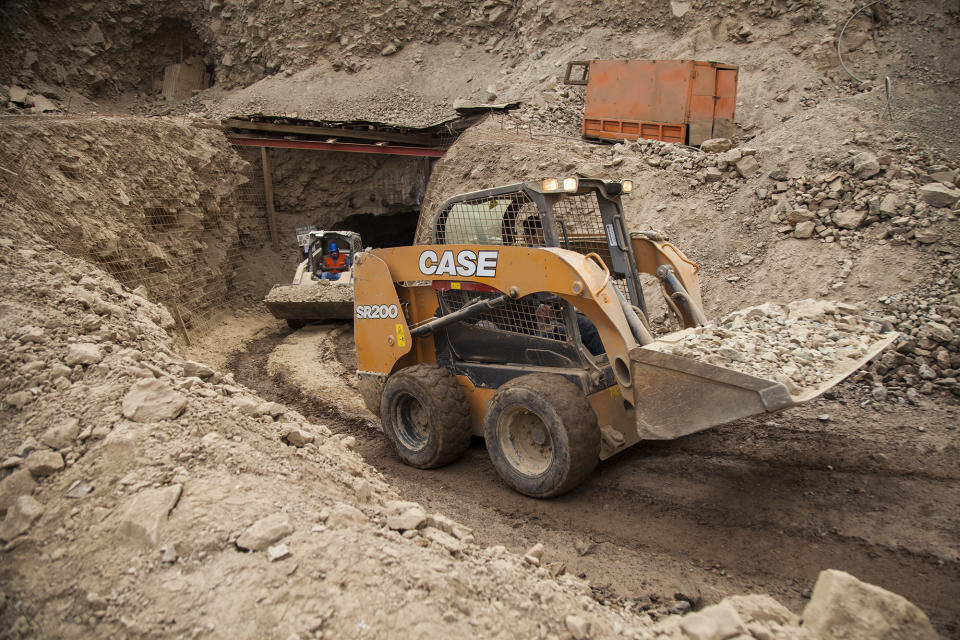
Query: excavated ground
(863, 480)
(759, 505)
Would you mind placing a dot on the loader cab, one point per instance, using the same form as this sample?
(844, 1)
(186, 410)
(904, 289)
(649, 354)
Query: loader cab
(539, 330)
(348, 243)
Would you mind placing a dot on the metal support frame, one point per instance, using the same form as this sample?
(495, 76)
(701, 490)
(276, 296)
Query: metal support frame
(348, 147)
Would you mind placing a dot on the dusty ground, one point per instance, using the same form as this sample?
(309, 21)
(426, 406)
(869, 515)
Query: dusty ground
(756, 506)
(164, 260)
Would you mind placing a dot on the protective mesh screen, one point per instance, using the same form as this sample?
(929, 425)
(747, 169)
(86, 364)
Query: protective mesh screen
(537, 315)
(580, 229)
(496, 220)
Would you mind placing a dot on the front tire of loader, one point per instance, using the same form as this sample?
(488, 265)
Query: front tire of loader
(542, 435)
(426, 416)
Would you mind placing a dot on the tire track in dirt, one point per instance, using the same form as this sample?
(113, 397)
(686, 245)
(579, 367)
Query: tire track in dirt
(764, 515)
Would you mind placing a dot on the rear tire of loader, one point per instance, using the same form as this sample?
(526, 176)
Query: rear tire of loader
(542, 435)
(426, 416)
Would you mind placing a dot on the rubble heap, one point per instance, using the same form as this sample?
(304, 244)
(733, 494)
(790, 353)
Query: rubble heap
(802, 345)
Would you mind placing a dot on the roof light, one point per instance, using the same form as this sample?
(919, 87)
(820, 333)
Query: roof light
(627, 186)
(549, 184)
(570, 184)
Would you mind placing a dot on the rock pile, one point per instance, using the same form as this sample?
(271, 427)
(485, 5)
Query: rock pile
(926, 360)
(801, 345)
(906, 201)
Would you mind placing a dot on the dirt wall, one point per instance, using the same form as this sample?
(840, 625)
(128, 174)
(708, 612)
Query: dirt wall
(158, 204)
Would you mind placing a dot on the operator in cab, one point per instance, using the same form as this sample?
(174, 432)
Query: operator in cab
(334, 263)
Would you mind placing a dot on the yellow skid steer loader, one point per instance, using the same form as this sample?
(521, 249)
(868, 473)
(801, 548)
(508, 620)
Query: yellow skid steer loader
(523, 321)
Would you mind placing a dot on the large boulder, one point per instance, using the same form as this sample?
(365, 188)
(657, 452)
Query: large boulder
(844, 608)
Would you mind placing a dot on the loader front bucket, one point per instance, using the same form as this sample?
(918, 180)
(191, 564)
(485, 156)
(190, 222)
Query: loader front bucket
(316, 301)
(676, 396)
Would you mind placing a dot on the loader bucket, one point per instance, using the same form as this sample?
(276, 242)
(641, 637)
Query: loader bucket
(676, 396)
(318, 301)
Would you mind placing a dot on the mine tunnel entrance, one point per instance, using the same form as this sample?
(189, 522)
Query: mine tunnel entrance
(379, 231)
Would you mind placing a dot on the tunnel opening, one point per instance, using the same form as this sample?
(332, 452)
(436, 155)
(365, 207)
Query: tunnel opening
(380, 231)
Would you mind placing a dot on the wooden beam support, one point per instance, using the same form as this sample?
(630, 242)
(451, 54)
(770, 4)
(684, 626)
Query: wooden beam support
(268, 191)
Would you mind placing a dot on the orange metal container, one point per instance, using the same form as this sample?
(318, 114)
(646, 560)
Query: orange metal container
(686, 101)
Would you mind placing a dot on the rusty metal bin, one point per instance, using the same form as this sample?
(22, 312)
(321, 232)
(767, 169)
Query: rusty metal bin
(686, 101)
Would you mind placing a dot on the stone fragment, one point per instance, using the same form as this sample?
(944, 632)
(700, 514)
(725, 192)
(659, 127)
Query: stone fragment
(403, 516)
(534, 555)
(843, 607)
(18, 95)
(19, 483)
(278, 552)
(848, 218)
(272, 409)
(927, 235)
(732, 156)
(579, 627)
(142, 515)
(168, 554)
(938, 195)
(389, 50)
(264, 532)
(865, 165)
(20, 517)
(762, 608)
(804, 230)
(32, 334)
(193, 369)
(63, 435)
(800, 215)
(445, 524)
(19, 399)
(43, 463)
(247, 405)
(94, 34)
(79, 489)
(42, 105)
(344, 515)
(889, 205)
(152, 400)
(443, 539)
(292, 434)
(938, 331)
(716, 145)
(747, 166)
(716, 622)
(712, 174)
(83, 353)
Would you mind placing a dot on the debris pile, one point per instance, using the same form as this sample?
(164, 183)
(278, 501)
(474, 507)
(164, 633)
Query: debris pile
(926, 360)
(801, 345)
(907, 195)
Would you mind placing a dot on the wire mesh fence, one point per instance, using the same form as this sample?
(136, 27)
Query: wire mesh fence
(168, 219)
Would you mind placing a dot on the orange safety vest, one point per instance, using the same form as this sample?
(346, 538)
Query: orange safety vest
(334, 266)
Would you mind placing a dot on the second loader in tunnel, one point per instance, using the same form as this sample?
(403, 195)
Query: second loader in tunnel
(522, 319)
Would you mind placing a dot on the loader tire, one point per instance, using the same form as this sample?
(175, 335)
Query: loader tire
(426, 416)
(542, 435)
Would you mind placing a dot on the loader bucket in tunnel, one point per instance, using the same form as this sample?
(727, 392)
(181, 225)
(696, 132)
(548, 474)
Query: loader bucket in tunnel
(677, 396)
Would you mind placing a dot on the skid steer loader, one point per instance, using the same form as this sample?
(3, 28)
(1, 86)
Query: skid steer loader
(310, 297)
(484, 331)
